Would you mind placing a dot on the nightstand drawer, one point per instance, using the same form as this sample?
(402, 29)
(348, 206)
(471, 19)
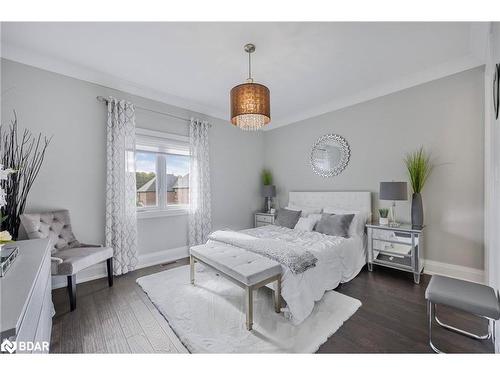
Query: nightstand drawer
(394, 248)
(260, 224)
(268, 219)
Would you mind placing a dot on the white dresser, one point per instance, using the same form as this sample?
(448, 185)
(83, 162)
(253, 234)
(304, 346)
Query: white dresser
(26, 299)
(263, 218)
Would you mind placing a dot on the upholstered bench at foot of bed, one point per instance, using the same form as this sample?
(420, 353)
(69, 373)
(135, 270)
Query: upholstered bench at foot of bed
(248, 270)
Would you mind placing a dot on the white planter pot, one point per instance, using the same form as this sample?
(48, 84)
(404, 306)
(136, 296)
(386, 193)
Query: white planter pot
(383, 221)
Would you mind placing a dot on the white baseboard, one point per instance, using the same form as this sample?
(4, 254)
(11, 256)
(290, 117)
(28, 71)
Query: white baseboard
(432, 267)
(146, 260)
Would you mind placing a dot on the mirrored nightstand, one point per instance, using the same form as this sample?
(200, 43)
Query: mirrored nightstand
(396, 247)
(263, 218)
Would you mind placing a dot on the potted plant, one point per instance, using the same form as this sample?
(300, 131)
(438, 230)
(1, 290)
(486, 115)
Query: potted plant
(419, 166)
(268, 189)
(383, 216)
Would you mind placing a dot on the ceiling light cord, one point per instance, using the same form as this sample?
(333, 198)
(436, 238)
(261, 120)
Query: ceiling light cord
(249, 48)
(249, 79)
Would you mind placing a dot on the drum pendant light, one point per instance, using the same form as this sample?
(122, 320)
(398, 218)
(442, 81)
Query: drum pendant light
(250, 102)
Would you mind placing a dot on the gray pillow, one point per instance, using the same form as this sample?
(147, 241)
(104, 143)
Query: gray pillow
(287, 218)
(334, 225)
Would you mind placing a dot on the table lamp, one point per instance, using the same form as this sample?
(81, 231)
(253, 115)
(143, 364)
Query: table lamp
(393, 191)
(268, 192)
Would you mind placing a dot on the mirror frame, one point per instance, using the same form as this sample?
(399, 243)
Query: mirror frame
(344, 160)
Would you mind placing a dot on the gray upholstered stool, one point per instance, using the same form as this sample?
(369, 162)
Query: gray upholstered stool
(476, 299)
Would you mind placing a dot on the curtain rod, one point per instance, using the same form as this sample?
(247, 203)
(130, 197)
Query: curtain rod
(104, 100)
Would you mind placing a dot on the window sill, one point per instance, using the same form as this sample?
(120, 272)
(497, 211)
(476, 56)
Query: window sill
(150, 214)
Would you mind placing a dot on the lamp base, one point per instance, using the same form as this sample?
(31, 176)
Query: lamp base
(392, 216)
(268, 204)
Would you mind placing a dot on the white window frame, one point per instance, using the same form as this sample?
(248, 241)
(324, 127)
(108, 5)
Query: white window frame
(160, 143)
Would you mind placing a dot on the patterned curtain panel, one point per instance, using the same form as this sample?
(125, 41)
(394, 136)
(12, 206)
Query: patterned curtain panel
(121, 217)
(200, 213)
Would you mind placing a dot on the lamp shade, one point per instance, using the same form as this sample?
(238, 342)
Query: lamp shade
(268, 191)
(393, 191)
(250, 106)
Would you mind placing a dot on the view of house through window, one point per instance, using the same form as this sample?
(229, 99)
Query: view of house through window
(145, 176)
(177, 179)
(162, 179)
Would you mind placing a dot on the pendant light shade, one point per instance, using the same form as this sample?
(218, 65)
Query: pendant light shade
(250, 102)
(250, 106)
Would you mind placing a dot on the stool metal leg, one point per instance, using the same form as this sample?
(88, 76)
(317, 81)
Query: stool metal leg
(431, 312)
(460, 331)
(493, 330)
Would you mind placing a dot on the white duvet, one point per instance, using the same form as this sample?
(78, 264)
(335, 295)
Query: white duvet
(339, 260)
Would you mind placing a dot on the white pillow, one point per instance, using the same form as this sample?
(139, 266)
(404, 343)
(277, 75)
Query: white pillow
(316, 217)
(306, 223)
(357, 227)
(306, 211)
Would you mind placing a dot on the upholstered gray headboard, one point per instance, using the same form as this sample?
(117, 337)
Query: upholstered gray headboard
(346, 200)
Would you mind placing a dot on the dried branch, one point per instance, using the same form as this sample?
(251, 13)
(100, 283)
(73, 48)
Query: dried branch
(24, 154)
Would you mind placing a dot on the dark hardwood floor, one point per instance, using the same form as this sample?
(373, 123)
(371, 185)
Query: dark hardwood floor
(392, 319)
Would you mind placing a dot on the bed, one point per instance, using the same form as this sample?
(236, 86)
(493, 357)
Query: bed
(338, 259)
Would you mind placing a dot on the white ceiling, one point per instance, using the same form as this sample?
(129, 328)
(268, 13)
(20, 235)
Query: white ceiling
(310, 68)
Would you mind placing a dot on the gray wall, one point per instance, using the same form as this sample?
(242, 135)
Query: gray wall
(73, 175)
(446, 116)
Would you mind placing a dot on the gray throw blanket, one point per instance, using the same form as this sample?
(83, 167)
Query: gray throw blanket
(295, 257)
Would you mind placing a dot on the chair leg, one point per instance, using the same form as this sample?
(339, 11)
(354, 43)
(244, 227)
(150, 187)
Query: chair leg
(72, 292)
(109, 264)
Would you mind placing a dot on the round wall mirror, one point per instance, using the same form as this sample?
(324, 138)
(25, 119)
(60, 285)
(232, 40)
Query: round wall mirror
(330, 155)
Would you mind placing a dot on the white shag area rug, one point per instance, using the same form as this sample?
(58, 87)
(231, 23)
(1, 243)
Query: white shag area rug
(209, 317)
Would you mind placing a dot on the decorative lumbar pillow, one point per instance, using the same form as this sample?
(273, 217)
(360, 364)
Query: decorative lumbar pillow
(306, 223)
(334, 225)
(306, 211)
(287, 218)
(357, 227)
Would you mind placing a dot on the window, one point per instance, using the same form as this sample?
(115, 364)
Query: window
(162, 173)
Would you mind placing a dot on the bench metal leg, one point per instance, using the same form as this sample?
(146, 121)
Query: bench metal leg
(431, 308)
(249, 306)
(277, 296)
(191, 269)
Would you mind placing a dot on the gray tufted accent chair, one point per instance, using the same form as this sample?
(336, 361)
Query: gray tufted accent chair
(68, 256)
